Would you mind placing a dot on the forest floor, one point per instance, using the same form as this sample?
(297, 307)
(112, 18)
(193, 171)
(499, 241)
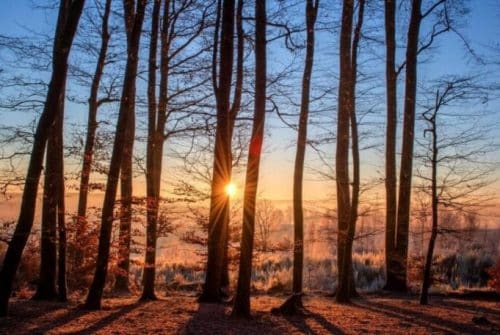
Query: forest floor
(182, 314)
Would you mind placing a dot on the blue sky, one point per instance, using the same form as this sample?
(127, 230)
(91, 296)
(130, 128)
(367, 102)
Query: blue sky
(449, 58)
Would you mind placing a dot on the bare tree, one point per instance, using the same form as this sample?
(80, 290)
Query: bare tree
(134, 18)
(458, 171)
(219, 202)
(183, 23)
(242, 298)
(345, 105)
(88, 153)
(294, 302)
(397, 254)
(70, 12)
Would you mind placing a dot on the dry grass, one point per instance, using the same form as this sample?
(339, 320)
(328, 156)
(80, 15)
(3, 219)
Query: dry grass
(181, 314)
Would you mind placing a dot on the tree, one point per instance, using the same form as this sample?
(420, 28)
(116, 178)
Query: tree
(242, 298)
(295, 301)
(93, 104)
(221, 175)
(345, 105)
(354, 146)
(397, 253)
(456, 160)
(151, 170)
(134, 19)
(182, 24)
(70, 12)
(46, 289)
(390, 142)
(126, 176)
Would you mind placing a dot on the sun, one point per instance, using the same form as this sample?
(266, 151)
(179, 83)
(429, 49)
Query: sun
(230, 190)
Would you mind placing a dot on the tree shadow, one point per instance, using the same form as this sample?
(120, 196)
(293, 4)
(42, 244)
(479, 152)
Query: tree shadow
(299, 322)
(459, 305)
(419, 318)
(79, 312)
(216, 319)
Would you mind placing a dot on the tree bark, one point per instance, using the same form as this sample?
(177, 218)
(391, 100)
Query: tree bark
(342, 153)
(298, 253)
(354, 146)
(403, 218)
(62, 43)
(242, 298)
(46, 289)
(152, 188)
(133, 22)
(61, 206)
(390, 146)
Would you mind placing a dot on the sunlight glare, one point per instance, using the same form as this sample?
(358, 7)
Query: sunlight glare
(231, 189)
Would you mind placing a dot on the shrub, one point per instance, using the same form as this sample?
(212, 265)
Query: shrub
(494, 273)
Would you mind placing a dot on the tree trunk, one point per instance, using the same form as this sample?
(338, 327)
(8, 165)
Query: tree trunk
(403, 219)
(242, 298)
(390, 146)
(133, 23)
(355, 146)
(126, 180)
(152, 188)
(125, 227)
(61, 206)
(46, 289)
(342, 153)
(298, 251)
(235, 108)
(81, 220)
(62, 43)
(219, 201)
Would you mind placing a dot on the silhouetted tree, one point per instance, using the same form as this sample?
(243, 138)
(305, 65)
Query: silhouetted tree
(221, 175)
(295, 301)
(345, 105)
(242, 298)
(134, 18)
(458, 170)
(88, 153)
(398, 254)
(70, 12)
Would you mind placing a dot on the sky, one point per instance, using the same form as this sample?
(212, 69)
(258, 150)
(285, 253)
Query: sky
(449, 57)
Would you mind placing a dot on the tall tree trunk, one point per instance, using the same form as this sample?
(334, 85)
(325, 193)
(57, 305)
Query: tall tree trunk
(133, 22)
(46, 289)
(390, 144)
(242, 298)
(61, 206)
(403, 219)
(235, 108)
(152, 202)
(219, 202)
(62, 43)
(126, 178)
(342, 153)
(295, 301)
(355, 146)
(81, 221)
